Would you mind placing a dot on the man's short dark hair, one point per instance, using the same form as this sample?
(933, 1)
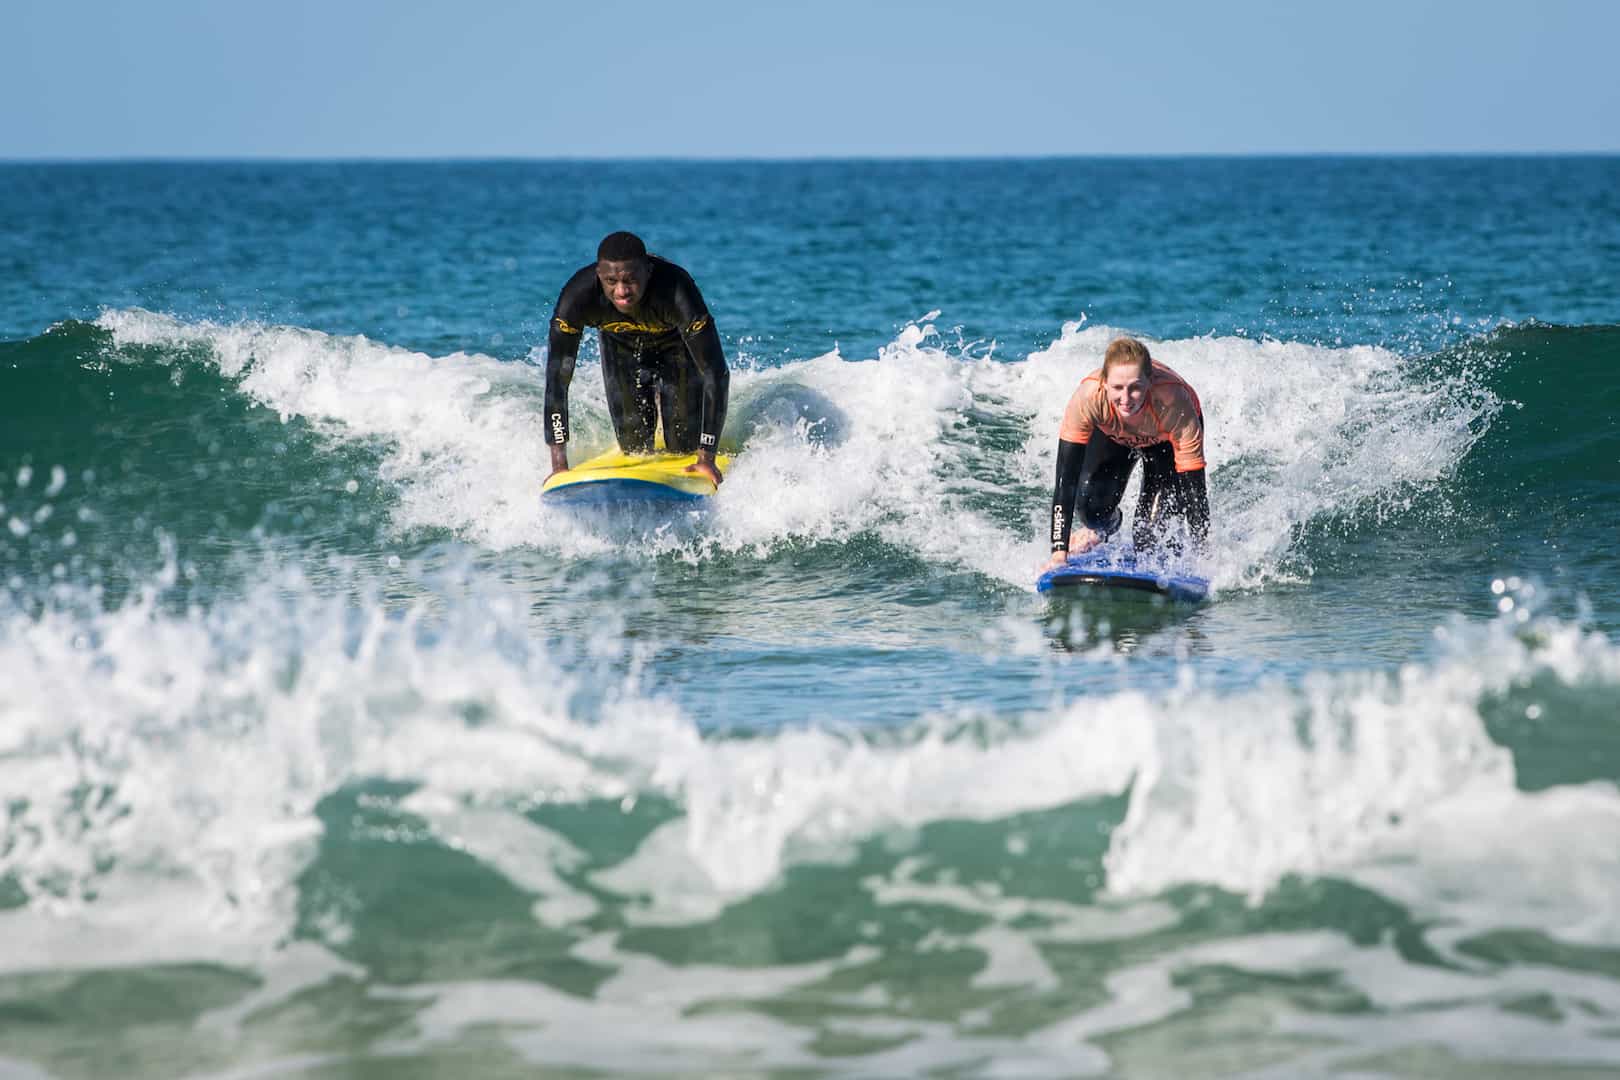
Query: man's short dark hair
(620, 247)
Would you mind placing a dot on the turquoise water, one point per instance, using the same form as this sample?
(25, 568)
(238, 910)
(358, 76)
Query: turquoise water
(326, 750)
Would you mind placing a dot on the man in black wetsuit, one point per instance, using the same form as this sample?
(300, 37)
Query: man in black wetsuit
(661, 354)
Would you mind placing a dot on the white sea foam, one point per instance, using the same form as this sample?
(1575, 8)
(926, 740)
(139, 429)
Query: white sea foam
(187, 751)
(171, 763)
(880, 445)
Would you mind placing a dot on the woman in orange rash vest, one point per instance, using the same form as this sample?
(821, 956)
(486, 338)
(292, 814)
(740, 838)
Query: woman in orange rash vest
(1130, 408)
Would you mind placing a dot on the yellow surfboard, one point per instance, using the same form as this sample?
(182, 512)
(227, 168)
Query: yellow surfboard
(616, 477)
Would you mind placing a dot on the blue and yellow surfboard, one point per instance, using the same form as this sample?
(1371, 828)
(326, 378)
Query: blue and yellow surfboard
(617, 477)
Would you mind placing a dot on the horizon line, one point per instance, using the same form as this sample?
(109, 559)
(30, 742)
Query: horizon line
(582, 159)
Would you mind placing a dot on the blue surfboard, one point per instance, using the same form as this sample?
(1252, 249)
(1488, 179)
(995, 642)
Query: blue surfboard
(1100, 569)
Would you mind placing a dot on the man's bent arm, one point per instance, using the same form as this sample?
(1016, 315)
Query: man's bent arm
(562, 350)
(703, 343)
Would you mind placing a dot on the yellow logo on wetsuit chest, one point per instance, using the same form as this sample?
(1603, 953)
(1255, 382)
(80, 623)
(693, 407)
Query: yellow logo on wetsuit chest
(633, 328)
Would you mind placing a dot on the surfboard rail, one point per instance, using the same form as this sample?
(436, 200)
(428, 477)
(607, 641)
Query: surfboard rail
(1121, 573)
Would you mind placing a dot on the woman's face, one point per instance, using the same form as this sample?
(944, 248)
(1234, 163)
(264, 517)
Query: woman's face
(1127, 389)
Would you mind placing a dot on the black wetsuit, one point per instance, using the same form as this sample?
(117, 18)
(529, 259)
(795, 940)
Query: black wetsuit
(661, 360)
(1091, 479)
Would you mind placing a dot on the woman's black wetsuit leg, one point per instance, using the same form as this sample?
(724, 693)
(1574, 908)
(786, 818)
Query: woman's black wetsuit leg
(1103, 476)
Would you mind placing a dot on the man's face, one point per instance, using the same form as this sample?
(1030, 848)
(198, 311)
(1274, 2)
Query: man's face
(1126, 388)
(624, 282)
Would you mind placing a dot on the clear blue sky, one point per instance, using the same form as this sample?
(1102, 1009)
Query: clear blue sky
(705, 78)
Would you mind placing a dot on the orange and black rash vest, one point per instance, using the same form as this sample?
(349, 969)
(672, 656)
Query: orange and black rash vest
(671, 309)
(1171, 414)
(1171, 418)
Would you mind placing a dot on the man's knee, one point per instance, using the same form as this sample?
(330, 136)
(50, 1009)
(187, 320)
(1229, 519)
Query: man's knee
(682, 418)
(634, 428)
(635, 439)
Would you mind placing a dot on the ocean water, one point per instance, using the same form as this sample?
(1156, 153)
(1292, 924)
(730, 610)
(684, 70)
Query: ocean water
(326, 750)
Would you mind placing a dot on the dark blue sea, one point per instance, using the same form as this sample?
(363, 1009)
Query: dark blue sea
(328, 750)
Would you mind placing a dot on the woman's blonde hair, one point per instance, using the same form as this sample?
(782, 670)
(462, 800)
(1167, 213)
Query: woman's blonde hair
(1128, 351)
